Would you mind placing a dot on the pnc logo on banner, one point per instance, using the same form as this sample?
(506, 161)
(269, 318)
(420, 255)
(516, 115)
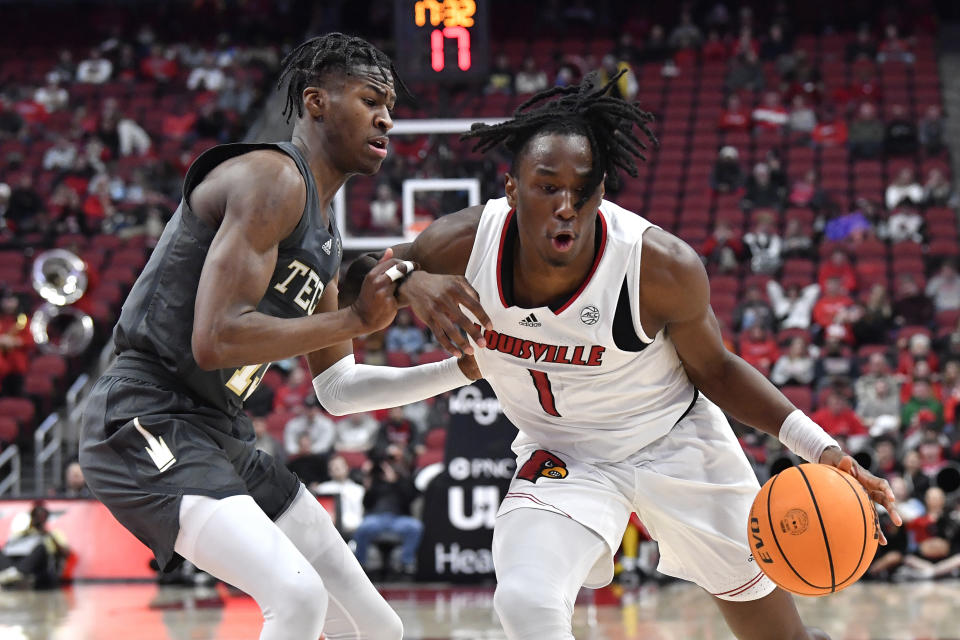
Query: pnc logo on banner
(543, 464)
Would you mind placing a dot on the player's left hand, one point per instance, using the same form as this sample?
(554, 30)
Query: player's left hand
(877, 488)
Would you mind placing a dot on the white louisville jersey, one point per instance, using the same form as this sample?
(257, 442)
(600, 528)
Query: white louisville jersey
(581, 378)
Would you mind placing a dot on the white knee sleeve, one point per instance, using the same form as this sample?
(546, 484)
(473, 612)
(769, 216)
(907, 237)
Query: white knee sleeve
(356, 611)
(541, 559)
(233, 540)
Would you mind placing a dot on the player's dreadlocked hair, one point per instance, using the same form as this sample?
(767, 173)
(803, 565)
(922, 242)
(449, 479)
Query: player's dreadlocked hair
(585, 109)
(306, 64)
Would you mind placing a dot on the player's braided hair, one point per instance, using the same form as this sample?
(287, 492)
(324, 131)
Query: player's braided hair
(306, 64)
(585, 109)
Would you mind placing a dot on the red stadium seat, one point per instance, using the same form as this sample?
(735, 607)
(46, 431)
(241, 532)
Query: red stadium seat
(801, 397)
(50, 365)
(433, 355)
(19, 409)
(398, 359)
(428, 457)
(354, 459)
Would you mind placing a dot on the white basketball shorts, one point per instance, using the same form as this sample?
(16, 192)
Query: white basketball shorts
(692, 489)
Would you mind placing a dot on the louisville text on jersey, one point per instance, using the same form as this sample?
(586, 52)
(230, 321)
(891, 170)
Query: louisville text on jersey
(583, 355)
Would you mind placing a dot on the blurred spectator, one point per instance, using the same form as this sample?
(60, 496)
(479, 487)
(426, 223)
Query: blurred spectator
(944, 287)
(833, 306)
(265, 440)
(310, 467)
(764, 245)
(879, 406)
(901, 133)
(758, 348)
(931, 130)
(936, 536)
(212, 123)
(16, 343)
(313, 423)
(745, 72)
(685, 35)
(207, 76)
(921, 398)
(753, 310)
(52, 96)
(4, 206)
(835, 366)
(903, 189)
(356, 432)
(797, 240)
(761, 192)
(894, 47)
(831, 131)
(351, 495)
(745, 42)
(25, 203)
(94, 70)
(500, 79)
(60, 156)
(389, 495)
(885, 463)
(11, 123)
(384, 211)
(905, 225)
(723, 249)
(854, 226)
(802, 119)
(911, 306)
(838, 419)
(655, 47)
(775, 45)
(398, 438)
(295, 390)
(792, 307)
(530, 78)
(735, 117)
(178, 124)
(838, 267)
(951, 392)
(74, 484)
(863, 44)
(404, 336)
(65, 69)
(864, 88)
(796, 366)
(889, 557)
(237, 96)
(937, 191)
(626, 87)
(770, 116)
(915, 351)
(806, 192)
(727, 176)
(873, 320)
(866, 133)
(714, 49)
(35, 555)
(160, 65)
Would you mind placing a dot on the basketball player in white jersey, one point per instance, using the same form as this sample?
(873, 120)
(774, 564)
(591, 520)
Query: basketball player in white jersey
(605, 354)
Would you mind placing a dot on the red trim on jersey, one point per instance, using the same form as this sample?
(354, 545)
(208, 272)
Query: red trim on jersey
(536, 500)
(593, 269)
(583, 285)
(503, 240)
(738, 590)
(545, 391)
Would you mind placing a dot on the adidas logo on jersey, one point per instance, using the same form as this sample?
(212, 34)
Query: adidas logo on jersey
(530, 321)
(327, 246)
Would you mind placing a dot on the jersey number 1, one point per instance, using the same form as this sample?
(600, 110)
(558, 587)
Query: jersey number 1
(545, 391)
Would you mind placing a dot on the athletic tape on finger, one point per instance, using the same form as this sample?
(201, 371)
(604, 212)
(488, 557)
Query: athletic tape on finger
(394, 272)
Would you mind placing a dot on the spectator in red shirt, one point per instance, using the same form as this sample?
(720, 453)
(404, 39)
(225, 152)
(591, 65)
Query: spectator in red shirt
(917, 350)
(894, 47)
(838, 419)
(714, 49)
(832, 306)
(759, 348)
(160, 66)
(919, 372)
(16, 344)
(830, 131)
(179, 124)
(724, 248)
(771, 116)
(293, 393)
(838, 267)
(735, 117)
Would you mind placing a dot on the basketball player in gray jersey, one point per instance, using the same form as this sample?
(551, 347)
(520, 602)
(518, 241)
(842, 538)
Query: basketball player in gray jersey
(245, 274)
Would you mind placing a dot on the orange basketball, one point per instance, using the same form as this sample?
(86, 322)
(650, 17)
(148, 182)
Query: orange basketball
(813, 529)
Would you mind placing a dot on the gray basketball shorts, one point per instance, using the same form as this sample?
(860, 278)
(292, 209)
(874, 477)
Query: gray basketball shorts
(143, 446)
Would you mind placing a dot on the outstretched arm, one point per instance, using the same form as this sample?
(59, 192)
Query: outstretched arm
(260, 198)
(675, 294)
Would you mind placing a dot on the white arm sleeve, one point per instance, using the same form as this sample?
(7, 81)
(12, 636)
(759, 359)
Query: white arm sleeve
(348, 387)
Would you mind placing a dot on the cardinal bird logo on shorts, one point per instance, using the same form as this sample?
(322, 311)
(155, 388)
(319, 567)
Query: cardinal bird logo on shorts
(543, 464)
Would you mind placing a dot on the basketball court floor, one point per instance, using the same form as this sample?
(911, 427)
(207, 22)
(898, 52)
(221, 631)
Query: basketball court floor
(140, 611)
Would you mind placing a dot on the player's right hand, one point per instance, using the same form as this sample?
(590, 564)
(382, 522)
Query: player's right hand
(436, 299)
(376, 305)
